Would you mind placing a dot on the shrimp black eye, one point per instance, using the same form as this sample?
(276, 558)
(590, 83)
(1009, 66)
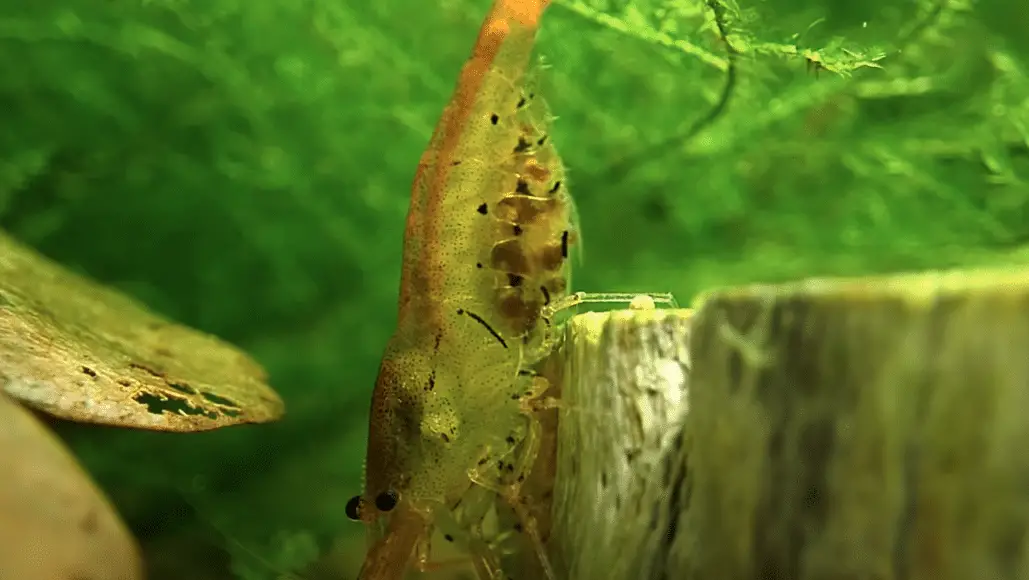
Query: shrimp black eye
(353, 509)
(386, 500)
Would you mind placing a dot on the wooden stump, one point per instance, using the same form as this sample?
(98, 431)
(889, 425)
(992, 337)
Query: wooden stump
(837, 430)
(865, 429)
(620, 444)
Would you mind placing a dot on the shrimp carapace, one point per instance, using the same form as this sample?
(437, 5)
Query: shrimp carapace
(485, 252)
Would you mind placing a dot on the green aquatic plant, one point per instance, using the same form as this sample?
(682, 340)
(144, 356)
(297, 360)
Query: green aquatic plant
(244, 167)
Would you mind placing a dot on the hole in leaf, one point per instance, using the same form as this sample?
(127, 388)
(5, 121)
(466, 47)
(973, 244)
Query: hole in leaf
(173, 405)
(183, 388)
(219, 400)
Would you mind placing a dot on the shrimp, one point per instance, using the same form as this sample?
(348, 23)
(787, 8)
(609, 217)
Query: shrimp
(454, 420)
(486, 245)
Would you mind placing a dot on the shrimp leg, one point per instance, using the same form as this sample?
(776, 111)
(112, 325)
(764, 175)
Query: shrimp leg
(485, 563)
(484, 558)
(481, 556)
(466, 528)
(511, 493)
(633, 299)
(424, 563)
(577, 298)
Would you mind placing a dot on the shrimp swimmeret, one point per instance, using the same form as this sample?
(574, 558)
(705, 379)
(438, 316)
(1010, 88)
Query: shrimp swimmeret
(485, 266)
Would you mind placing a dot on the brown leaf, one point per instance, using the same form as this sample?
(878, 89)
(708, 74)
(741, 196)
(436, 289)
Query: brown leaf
(76, 350)
(54, 523)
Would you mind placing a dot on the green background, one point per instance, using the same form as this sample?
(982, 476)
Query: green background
(244, 167)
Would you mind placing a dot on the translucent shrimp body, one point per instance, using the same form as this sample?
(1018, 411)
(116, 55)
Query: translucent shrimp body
(486, 245)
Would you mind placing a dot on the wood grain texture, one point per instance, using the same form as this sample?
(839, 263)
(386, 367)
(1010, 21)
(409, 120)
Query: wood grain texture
(863, 429)
(620, 468)
(866, 429)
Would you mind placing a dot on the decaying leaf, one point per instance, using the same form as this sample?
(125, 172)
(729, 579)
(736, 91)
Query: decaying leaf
(76, 350)
(54, 523)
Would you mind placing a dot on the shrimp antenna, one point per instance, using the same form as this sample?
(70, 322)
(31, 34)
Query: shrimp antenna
(621, 168)
(189, 499)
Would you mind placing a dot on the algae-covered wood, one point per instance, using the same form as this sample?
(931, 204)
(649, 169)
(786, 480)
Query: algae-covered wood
(871, 428)
(621, 482)
(76, 350)
(865, 429)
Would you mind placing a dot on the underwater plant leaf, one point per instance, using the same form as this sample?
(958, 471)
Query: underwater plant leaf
(76, 350)
(683, 26)
(54, 523)
(651, 24)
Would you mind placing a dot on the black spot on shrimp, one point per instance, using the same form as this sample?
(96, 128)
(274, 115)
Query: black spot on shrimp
(522, 187)
(522, 146)
(482, 321)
